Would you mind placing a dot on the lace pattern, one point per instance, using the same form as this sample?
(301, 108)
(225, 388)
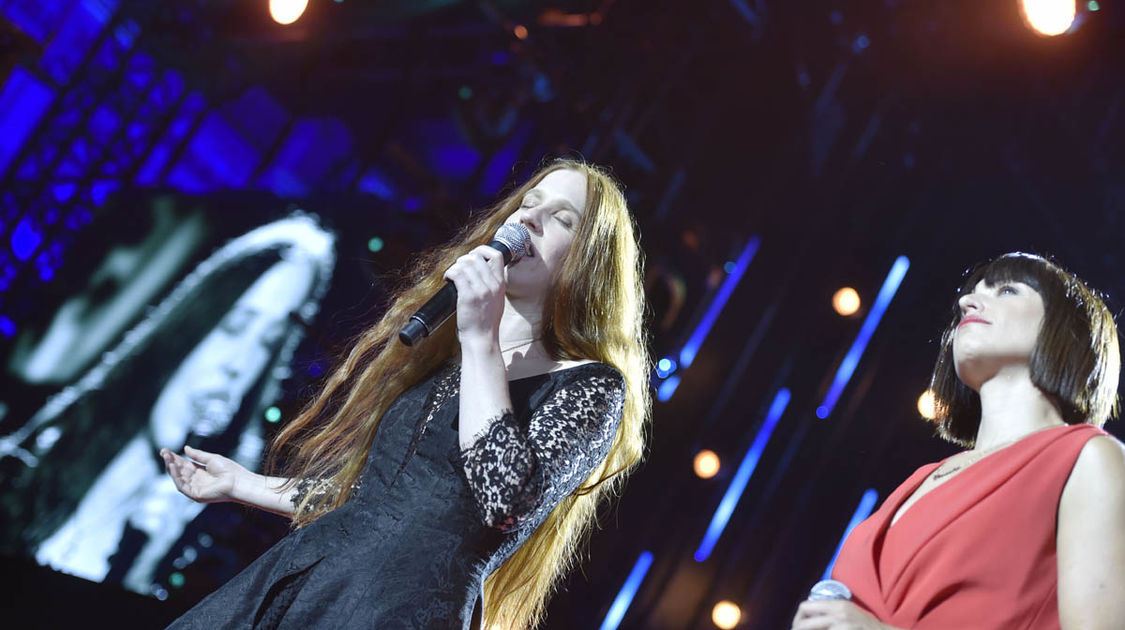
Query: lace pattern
(320, 489)
(518, 475)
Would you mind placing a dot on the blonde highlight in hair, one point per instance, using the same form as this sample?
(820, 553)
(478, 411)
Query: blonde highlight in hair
(594, 310)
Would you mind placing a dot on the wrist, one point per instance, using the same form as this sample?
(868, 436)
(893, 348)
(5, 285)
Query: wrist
(243, 486)
(479, 345)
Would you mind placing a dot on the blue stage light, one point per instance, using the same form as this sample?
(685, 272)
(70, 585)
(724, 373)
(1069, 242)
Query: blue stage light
(665, 366)
(7, 326)
(691, 348)
(25, 239)
(862, 511)
(667, 388)
(628, 591)
(742, 477)
(851, 359)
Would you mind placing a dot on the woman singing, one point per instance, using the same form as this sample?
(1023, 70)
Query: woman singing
(449, 484)
(1026, 529)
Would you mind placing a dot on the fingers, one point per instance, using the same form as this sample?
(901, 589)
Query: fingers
(830, 614)
(479, 272)
(203, 457)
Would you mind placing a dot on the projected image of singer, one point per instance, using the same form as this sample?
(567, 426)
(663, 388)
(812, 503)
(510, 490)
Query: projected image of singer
(448, 485)
(1026, 528)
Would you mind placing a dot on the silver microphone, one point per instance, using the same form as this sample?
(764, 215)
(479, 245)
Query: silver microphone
(829, 589)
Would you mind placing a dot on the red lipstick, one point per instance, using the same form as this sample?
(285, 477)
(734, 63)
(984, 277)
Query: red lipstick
(969, 319)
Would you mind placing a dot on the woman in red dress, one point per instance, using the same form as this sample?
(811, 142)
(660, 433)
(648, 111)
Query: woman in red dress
(1025, 529)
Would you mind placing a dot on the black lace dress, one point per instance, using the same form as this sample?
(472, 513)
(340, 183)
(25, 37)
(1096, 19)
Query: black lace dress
(427, 523)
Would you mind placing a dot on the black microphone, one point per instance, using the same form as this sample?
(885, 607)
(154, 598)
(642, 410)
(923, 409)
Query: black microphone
(511, 241)
(829, 589)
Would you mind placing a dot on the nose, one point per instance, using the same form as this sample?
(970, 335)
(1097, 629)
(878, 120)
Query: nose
(529, 218)
(970, 302)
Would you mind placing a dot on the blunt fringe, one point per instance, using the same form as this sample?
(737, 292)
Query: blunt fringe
(594, 310)
(1076, 360)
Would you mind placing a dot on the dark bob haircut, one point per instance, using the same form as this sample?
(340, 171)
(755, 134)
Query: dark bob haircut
(1075, 362)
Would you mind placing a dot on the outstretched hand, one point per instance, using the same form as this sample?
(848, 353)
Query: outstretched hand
(834, 615)
(210, 478)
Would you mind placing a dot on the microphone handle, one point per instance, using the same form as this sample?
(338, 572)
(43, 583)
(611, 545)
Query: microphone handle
(433, 314)
(439, 308)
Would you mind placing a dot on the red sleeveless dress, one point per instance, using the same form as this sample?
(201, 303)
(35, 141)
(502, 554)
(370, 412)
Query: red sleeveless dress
(977, 552)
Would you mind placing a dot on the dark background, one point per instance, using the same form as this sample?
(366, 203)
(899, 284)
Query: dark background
(843, 134)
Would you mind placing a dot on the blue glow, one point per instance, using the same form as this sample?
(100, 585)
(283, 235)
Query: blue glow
(23, 101)
(691, 348)
(862, 511)
(667, 388)
(742, 477)
(102, 189)
(851, 359)
(64, 191)
(25, 239)
(7, 326)
(627, 592)
(665, 366)
(501, 165)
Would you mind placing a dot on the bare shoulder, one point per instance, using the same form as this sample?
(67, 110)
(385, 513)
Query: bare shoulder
(1099, 473)
(1102, 455)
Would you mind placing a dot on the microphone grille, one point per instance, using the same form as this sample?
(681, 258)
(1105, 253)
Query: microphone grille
(829, 589)
(515, 237)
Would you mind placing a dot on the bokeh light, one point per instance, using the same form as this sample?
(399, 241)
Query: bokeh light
(706, 464)
(273, 414)
(846, 301)
(726, 614)
(926, 405)
(520, 31)
(287, 11)
(1048, 17)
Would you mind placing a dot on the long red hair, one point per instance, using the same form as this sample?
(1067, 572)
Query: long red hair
(594, 310)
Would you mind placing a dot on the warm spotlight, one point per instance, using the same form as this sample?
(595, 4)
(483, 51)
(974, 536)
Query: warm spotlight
(1048, 17)
(926, 405)
(520, 31)
(726, 615)
(706, 464)
(287, 11)
(846, 301)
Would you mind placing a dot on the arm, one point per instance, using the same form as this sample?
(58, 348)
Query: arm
(1091, 539)
(517, 474)
(212, 478)
(479, 278)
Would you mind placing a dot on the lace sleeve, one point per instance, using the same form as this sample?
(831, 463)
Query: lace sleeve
(517, 476)
(319, 489)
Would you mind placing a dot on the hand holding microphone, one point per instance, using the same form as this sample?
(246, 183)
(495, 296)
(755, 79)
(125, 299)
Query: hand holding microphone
(511, 242)
(829, 607)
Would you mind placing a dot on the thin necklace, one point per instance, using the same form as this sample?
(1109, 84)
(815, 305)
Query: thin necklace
(969, 461)
(520, 345)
